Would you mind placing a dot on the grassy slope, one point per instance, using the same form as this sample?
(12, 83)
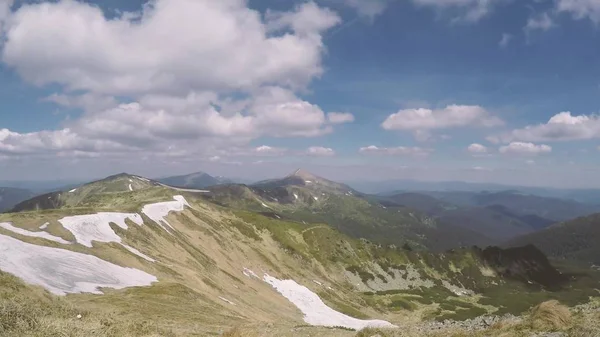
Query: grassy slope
(205, 259)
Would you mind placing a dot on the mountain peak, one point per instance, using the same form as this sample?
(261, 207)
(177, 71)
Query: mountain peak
(304, 174)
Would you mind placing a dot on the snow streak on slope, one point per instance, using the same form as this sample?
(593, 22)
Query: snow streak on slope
(63, 271)
(138, 253)
(157, 212)
(43, 235)
(95, 227)
(315, 311)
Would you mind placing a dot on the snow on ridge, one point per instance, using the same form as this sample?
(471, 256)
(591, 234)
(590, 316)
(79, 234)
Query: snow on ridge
(44, 235)
(315, 311)
(44, 226)
(95, 227)
(62, 271)
(157, 212)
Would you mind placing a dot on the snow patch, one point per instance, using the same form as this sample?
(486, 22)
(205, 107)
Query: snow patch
(44, 226)
(95, 227)
(315, 311)
(317, 282)
(308, 181)
(277, 216)
(130, 180)
(316, 199)
(62, 271)
(226, 300)
(296, 196)
(143, 179)
(249, 273)
(264, 205)
(43, 235)
(73, 190)
(130, 188)
(157, 212)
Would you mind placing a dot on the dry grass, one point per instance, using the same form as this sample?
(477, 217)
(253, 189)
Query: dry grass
(550, 315)
(239, 332)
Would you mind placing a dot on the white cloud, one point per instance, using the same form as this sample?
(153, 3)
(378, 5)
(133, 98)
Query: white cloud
(266, 150)
(541, 21)
(88, 102)
(75, 45)
(393, 151)
(319, 151)
(561, 127)
(307, 18)
(5, 6)
(505, 40)
(340, 117)
(452, 116)
(521, 148)
(580, 9)
(477, 148)
(466, 10)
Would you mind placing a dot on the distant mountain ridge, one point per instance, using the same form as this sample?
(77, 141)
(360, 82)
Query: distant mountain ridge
(9, 197)
(194, 180)
(575, 239)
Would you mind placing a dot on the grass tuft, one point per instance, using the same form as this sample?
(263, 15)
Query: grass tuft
(550, 315)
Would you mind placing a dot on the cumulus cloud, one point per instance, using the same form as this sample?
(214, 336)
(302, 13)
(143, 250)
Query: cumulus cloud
(218, 76)
(319, 151)
(393, 151)
(520, 148)
(421, 120)
(307, 18)
(73, 44)
(477, 148)
(561, 127)
(340, 117)
(88, 102)
(580, 9)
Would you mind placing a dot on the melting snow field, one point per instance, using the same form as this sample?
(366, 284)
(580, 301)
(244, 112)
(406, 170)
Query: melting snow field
(43, 235)
(157, 212)
(315, 311)
(63, 271)
(44, 226)
(95, 227)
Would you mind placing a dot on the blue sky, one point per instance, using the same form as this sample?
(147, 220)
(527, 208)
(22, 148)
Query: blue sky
(423, 89)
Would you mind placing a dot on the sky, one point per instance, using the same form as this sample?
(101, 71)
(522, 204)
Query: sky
(499, 91)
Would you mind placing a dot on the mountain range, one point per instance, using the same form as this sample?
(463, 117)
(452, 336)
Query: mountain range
(139, 257)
